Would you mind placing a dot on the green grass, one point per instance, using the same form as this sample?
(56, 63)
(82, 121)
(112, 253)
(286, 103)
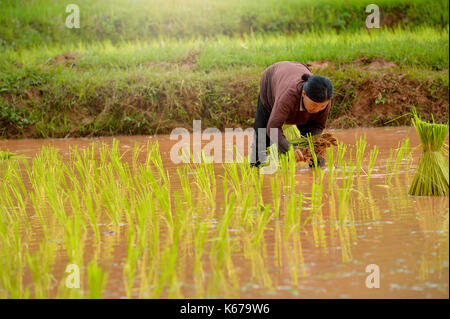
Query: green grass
(424, 46)
(148, 88)
(31, 23)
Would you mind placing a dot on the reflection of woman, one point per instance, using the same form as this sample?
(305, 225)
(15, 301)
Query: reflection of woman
(290, 94)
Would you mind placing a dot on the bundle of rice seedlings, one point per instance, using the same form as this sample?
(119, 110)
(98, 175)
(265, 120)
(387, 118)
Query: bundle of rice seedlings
(432, 174)
(321, 142)
(291, 132)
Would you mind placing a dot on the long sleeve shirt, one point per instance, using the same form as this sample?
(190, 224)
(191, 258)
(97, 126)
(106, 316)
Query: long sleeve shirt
(281, 94)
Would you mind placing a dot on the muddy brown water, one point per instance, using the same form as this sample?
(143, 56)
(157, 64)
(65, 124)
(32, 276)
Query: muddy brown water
(405, 236)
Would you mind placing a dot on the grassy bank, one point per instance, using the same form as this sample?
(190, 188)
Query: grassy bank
(424, 47)
(145, 67)
(132, 103)
(152, 87)
(28, 23)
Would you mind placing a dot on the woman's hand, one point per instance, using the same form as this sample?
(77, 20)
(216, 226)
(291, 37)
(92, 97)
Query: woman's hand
(299, 156)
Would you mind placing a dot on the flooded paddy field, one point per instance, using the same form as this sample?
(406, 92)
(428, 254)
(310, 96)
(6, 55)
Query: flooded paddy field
(134, 224)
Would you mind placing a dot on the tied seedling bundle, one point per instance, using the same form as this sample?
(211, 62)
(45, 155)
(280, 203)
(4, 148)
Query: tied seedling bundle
(432, 174)
(321, 141)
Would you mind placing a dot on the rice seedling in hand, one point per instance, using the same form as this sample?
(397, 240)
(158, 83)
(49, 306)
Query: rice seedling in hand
(291, 132)
(320, 142)
(432, 174)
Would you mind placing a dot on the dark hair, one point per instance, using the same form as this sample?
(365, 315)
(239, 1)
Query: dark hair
(317, 87)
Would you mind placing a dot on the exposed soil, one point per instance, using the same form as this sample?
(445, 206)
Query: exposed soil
(383, 99)
(66, 59)
(369, 64)
(373, 64)
(320, 64)
(189, 63)
(392, 18)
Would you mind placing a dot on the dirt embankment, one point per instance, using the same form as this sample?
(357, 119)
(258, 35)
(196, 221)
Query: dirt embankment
(383, 95)
(377, 94)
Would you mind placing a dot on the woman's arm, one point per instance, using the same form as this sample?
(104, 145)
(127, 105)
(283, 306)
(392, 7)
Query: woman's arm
(278, 117)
